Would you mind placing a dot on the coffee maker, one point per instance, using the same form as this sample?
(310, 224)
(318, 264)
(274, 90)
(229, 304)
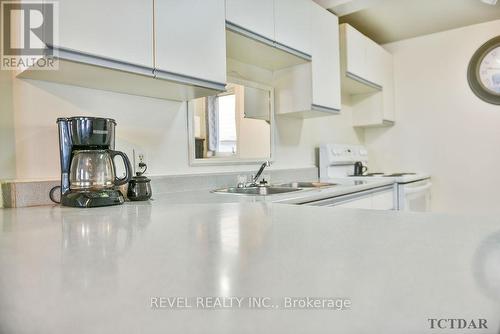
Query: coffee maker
(88, 170)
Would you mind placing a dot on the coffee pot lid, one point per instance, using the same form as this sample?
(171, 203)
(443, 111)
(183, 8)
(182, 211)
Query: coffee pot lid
(139, 178)
(85, 118)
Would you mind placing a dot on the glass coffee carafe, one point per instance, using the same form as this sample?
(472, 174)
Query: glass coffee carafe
(96, 170)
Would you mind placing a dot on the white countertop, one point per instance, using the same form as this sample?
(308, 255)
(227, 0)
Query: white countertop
(341, 187)
(407, 178)
(65, 270)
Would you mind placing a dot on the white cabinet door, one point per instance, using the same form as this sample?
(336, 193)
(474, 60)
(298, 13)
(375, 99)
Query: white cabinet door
(355, 51)
(191, 38)
(292, 24)
(383, 200)
(359, 203)
(254, 15)
(325, 59)
(374, 63)
(117, 29)
(388, 87)
(362, 56)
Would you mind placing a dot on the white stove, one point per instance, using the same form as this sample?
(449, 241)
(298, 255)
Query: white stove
(411, 189)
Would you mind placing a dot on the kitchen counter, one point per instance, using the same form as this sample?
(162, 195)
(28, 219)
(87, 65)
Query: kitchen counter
(65, 270)
(341, 187)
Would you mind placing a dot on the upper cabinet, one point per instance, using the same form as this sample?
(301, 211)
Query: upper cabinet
(117, 29)
(313, 89)
(367, 77)
(194, 48)
(282, 24)
(361, 58)
(167, 49)
(326, 59)
(191, 40)
(177, 50)
(354, 58)
(388, 113)
(292, 24)
(256, 16)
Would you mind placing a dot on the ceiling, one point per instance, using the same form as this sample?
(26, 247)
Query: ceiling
(387, 21)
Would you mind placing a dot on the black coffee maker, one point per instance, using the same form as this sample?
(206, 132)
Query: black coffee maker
(88, 170)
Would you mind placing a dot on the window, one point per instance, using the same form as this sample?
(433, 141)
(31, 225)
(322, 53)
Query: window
(234, 124)
(227, 139)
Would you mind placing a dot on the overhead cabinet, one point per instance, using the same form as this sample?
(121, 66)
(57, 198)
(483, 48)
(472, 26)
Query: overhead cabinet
(313, 89)
(292, 24)
(326, 60)
(281, 24)
(367, 77)
(140, 47)
(256, 16)
(117, 29)
(190, 41)
(360, 60)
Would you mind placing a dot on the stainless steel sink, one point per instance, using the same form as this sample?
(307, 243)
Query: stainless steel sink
(257, 191)
(307, 184)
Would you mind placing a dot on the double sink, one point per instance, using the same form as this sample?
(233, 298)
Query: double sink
(274, 189)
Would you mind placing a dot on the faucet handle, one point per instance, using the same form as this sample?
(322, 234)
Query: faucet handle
(242, 180)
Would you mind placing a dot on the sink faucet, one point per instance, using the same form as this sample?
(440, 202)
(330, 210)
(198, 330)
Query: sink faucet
(259, 173)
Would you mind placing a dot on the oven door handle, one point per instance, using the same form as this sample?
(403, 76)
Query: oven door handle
(413, 190)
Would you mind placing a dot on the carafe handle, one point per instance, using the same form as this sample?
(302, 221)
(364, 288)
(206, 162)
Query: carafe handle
(128, 167)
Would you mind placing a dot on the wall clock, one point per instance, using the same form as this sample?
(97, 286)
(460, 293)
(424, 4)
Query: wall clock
(484, 71)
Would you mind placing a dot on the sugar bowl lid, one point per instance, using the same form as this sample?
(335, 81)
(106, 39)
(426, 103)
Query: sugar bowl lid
(139, 178)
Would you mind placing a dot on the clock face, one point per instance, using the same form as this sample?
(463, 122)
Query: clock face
(483, 72)
(489, 71)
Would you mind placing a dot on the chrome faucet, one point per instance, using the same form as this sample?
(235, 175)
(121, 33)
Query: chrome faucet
(259, 173)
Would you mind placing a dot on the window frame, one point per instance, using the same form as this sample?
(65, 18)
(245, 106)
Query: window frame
(231, 159)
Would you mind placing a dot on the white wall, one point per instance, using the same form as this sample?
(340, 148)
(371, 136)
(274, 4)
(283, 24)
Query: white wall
(7, 144)
(254, 135)
(441, 126)
(156, 127)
